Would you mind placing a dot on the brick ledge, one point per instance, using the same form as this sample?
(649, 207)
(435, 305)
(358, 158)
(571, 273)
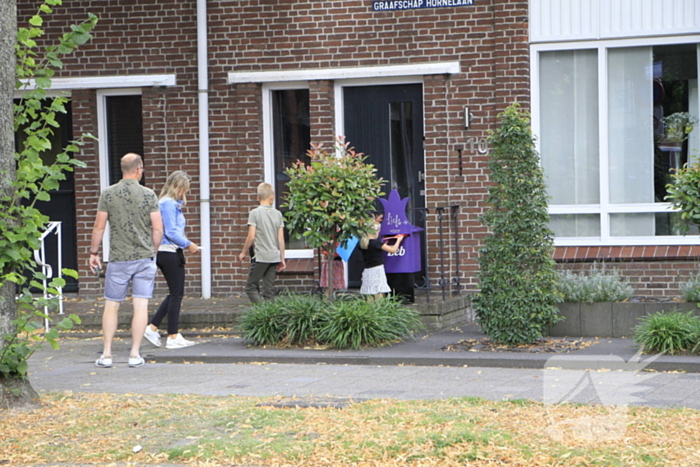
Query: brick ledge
(565, 254)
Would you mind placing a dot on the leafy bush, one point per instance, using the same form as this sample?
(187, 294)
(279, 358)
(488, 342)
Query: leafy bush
(301, 314)
(354, 323)
(690, 291)
(668, 332)
(598, 285)
(264, 323)
(517, 274)
(683, 194)
(345, 323)
(330, 199)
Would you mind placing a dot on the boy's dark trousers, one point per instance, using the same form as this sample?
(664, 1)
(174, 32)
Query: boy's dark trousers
(265, 271)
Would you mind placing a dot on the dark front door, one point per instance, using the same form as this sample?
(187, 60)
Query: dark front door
(61, 207)
(386, 123)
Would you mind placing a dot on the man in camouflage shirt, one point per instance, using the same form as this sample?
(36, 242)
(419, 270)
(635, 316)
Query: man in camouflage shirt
(135, 232)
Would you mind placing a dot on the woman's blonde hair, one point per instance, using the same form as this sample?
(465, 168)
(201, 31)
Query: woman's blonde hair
(177, 182)
(364, 241)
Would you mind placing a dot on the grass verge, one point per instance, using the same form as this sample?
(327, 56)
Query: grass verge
(211, 431)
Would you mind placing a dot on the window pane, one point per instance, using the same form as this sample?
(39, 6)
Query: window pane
(569, 125)
(674, 93)
(291, 139)
(124, 132)
(631, 127)
(636, 225)
(575, 225)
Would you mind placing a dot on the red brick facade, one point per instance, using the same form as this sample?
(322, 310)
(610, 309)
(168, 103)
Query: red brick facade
(488, 39)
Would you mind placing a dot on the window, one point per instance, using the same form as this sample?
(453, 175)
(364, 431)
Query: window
(598, 115)
(120, 122)
(288, 130)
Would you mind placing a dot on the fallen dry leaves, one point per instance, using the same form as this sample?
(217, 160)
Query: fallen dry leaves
(228, 430)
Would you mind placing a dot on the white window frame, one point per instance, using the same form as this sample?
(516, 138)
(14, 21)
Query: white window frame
(605, 209)
(269, 150)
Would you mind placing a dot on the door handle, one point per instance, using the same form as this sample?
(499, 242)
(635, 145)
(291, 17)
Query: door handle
(421, 176)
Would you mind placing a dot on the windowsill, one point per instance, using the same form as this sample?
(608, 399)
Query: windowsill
(299, 266)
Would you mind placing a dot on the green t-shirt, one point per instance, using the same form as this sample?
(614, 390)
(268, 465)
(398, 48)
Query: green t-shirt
(129, 206)
(267, 221)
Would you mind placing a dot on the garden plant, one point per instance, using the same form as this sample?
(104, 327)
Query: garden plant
(690, 290)
(600, 284)
(517, 300)
(669, 332)
(331, 199)
(348, 322)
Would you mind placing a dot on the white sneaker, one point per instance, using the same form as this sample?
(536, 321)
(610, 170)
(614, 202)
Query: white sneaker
(104, 362)
(152, 336)
(136, 361)
(178, 343)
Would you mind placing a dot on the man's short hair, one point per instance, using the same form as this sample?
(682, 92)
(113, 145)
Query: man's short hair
(265, 190)
(130, 162)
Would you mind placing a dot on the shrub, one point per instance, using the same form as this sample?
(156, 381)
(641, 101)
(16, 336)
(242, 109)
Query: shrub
(330, 199)
(517, 274)
(263, 323)
(690, 291)
(345, 323)
(354, 323)
(301, 314)
(598, 285)
(668, 332)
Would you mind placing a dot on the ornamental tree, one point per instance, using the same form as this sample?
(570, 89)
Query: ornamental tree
(517, 275)
(26, 179)
(331, 199)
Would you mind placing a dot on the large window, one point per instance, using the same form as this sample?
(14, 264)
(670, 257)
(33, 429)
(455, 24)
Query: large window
(288, 138)
(599, 114)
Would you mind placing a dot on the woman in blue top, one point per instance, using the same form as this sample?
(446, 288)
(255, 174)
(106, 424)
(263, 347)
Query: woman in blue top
(171, 262)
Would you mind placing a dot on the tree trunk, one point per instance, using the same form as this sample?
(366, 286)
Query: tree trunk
(14, 392)
(330, 248)
(17, 393)
(8, 31)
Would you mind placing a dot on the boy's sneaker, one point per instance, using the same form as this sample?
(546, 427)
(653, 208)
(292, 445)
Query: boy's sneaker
(136, 361)
(104, 362)
(152, 336)
(178, 343)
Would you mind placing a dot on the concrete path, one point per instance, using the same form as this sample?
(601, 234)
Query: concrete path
(606, 373)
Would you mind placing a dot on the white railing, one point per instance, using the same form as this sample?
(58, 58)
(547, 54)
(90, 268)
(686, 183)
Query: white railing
(47, 270)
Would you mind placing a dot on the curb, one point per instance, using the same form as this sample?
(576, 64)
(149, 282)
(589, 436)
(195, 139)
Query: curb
(476, 359)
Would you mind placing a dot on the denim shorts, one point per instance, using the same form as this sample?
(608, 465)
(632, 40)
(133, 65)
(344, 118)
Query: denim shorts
(141, 273)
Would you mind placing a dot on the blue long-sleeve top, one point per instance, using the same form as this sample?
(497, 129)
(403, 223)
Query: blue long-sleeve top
(173, 223)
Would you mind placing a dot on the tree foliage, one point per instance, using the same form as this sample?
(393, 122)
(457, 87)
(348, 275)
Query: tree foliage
(684, 194)
(21, 223)
(331, 199)
(517, 276)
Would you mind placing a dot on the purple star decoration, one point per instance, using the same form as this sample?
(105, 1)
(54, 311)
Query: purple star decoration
(408, 257)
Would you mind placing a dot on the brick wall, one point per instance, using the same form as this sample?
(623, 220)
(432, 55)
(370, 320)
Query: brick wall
(488, 39)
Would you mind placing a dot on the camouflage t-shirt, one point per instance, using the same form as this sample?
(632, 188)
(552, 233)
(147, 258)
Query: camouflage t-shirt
(129, 206)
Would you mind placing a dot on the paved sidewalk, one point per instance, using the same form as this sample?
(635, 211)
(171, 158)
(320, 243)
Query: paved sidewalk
(607, 372)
